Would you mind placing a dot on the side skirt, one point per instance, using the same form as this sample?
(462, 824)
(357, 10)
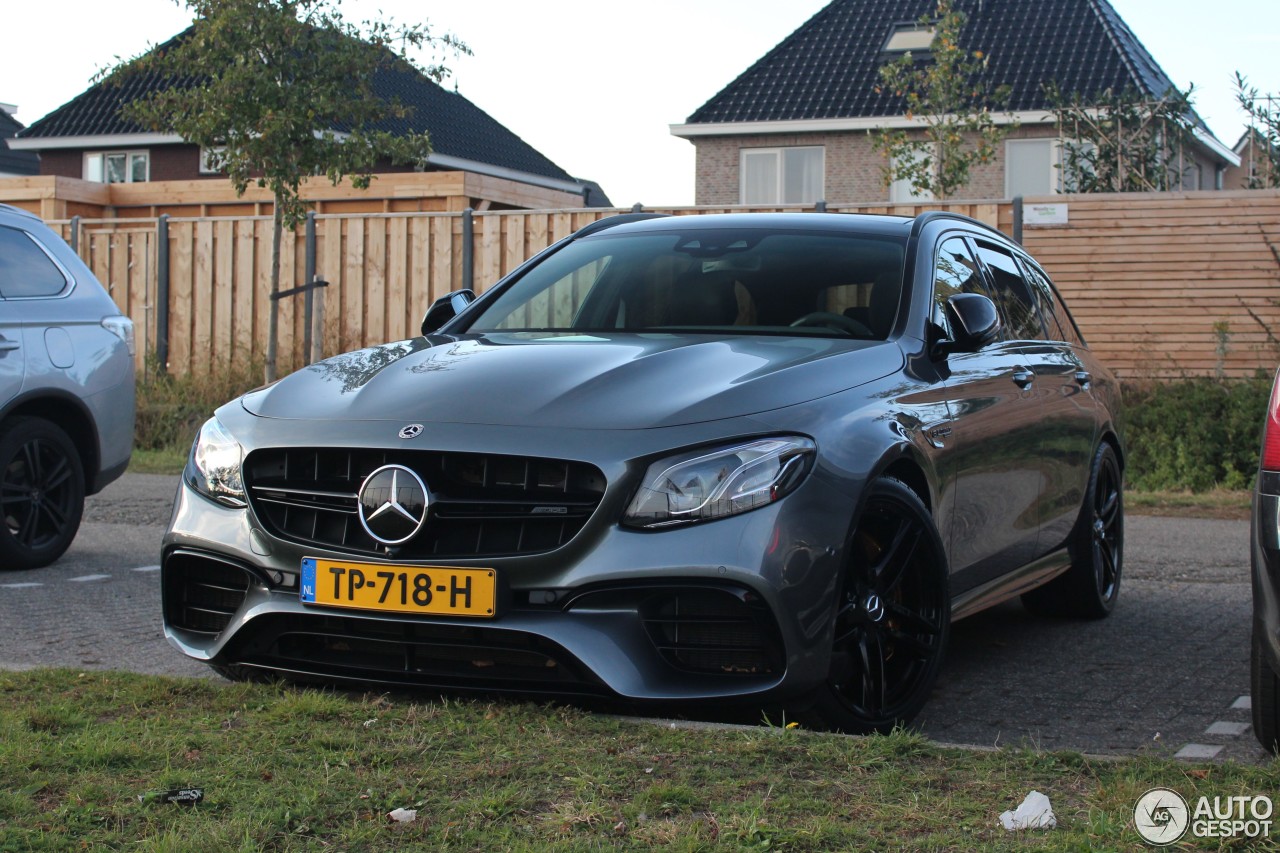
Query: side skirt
(1002, 589)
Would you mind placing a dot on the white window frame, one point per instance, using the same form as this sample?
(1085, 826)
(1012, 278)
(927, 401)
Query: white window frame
(779, 171)
(205, 168)
(1055, 162)
(900, 191)
(910, 38)
(101, 158)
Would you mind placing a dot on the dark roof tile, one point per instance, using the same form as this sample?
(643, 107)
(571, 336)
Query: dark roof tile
(829, 67)
(15, 162)
(458, 128)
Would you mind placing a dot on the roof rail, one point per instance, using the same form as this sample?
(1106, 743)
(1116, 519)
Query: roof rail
(610, 221)
(928, 216)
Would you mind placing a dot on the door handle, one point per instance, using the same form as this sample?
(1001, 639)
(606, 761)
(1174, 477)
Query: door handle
(1083, 378)
(7, 345)
(1023, 377)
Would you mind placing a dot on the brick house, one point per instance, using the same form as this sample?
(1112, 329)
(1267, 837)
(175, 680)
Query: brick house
(793, 128)
(87, 138)
(1257, 162)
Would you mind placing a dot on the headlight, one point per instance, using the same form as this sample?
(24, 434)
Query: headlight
(716, 483)
(215, 465)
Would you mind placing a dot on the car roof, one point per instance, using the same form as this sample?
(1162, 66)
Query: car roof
(10, 210)
(855, 223)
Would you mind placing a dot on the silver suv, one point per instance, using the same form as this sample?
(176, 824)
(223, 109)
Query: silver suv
(66, 391)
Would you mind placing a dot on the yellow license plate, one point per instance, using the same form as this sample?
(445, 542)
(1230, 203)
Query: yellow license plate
(441, 590)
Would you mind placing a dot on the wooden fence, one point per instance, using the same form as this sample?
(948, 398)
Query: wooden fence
(1163, 285)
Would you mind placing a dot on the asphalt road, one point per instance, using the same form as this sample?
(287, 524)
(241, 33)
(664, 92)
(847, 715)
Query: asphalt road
(1165, 672)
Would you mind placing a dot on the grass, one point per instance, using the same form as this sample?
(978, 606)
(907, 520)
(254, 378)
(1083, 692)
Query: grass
(290, 769)
(1218, 503)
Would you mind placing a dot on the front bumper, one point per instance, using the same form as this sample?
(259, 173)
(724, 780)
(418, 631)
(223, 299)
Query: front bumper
(738, 607)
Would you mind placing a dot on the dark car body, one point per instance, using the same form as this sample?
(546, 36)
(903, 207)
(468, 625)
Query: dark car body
(810, 379)
(1265, 563)
(66, 390)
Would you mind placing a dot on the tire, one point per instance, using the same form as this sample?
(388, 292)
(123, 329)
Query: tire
(1264, 696)
(893, 618)
(41, 493)
(1091, 587)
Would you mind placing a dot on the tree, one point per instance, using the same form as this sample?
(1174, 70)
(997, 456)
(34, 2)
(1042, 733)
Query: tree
(1121, 142)
(275, 91)
(1264, 129)
(947, 93)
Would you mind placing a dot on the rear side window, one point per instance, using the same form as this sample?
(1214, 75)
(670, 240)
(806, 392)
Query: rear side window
(1056, 317)
(25, 269)
(1012, 294)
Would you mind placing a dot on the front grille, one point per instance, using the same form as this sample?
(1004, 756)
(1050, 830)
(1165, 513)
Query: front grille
(202, 594)
(709, 630)
(482, 505)
(413, 654)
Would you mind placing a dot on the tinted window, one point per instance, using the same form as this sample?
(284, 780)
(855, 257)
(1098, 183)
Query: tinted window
(25, 270)
(702, 281)
(1012, 294)
(954, 272)
(1056, 317)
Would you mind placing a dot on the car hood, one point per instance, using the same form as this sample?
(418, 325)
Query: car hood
(622, 381)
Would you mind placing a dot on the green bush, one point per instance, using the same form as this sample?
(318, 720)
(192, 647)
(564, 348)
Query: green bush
(1196, 434)
(171, 408)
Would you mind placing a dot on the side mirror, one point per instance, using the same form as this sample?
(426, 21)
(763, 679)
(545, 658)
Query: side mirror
(974, 323)
(445, 309)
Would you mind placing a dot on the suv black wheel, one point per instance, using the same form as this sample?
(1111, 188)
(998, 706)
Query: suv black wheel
(41, 493)
(1264, 696)
(893, 617)
(1090, 588)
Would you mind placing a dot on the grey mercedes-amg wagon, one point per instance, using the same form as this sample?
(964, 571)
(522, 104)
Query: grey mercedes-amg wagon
(761, 458)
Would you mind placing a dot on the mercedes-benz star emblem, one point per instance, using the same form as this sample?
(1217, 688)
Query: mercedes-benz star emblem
(411, 431)
(393, 504)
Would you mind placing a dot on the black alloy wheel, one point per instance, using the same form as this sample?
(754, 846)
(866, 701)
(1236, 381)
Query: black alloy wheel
(41, 493)
(1091, 587)
(893, 617)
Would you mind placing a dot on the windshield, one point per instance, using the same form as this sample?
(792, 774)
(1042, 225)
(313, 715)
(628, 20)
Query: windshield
(721, 281)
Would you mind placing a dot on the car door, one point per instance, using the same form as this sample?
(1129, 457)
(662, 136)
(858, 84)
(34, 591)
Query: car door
(1063, 412)
(30, 279)
(1071, 421)
(993, 443)
(12, 353)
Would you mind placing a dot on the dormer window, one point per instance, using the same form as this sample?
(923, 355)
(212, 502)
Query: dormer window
(910, 37)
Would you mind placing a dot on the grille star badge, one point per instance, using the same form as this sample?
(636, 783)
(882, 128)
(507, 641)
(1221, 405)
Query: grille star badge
(393, 504)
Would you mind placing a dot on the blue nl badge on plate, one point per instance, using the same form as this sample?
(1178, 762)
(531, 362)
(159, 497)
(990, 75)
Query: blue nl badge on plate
(307, 583)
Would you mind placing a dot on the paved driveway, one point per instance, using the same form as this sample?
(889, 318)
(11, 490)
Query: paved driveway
(1159, 675)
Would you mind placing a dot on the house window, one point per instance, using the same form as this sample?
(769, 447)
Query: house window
(1037, 167)
(211, 160)
(901, 191)
(117, 167)
(782, 175)
(913, 37)
(1030, 167)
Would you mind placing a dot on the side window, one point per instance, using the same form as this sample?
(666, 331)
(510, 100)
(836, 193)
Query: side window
(1056, 317)
(25, 270)
(955, 271)
(1012, 294)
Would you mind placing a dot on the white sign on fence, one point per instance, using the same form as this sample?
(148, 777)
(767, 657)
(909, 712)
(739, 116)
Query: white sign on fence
(1044, 214)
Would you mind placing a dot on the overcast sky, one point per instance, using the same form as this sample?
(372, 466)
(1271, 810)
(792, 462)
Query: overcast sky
(595, 84)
